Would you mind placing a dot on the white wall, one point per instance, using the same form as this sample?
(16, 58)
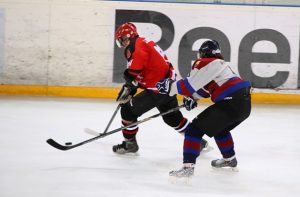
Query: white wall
(57, 43)
(70, 43)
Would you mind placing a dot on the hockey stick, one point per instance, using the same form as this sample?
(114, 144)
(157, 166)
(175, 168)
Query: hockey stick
(94, 133)
(53, 143)
(111, 119)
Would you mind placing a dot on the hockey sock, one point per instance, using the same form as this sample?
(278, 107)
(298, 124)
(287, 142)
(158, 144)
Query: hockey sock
(225, 144)
(130, 132)
(192, 144)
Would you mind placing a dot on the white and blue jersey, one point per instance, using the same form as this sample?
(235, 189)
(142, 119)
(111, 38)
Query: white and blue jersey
(209, 77)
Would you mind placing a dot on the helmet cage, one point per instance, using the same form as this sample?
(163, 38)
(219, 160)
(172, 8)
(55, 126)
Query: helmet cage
(121, 40)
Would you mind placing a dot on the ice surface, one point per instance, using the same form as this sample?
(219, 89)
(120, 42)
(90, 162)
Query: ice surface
(267, 146)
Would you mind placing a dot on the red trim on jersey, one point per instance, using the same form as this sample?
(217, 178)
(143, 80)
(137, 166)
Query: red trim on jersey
(200, 63)
(226, 85)
(211, 86)
(184, 89)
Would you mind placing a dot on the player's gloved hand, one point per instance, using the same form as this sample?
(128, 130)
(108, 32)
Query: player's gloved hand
(189, 103)
(126, 93)
(164, 86)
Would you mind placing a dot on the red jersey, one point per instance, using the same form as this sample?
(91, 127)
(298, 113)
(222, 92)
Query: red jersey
(148, 63)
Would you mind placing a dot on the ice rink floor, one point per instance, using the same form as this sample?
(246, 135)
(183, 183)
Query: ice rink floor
(267, 146)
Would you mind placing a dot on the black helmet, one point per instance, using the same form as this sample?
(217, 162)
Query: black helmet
(210, 48)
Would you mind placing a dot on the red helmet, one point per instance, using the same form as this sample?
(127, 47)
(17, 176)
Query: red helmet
(125, 31)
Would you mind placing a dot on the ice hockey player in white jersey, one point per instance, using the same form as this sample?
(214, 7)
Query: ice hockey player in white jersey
(211, 77)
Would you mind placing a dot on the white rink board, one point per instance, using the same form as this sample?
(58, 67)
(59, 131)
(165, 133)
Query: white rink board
(70, 43)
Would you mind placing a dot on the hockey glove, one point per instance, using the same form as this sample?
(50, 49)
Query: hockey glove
(189, 103)
(126, 93)
(164, 86)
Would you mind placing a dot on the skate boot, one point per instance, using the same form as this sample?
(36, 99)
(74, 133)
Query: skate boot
(127, 146)
(186, 171)
(230, 163)
(205, 147)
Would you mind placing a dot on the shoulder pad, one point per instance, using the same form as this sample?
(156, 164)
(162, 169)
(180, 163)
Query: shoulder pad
(200, 63)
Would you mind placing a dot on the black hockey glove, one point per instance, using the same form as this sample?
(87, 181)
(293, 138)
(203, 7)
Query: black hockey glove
(189, 103)
(164, 86)
(126, 93)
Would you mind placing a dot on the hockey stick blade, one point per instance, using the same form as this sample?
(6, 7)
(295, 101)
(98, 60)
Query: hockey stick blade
(54, 144)
(91, 132)
(58, 146)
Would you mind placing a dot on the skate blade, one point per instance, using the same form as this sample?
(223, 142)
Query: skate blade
(127, 154)
(226, 169)
(180, 180)
(207, 149)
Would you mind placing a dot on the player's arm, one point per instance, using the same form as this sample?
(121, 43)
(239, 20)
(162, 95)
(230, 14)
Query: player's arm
(199, 77)
(129, 88)
(134, 65)
(136, 61)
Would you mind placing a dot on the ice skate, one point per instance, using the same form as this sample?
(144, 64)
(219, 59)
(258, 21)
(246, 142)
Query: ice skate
(205, 146)
(225, 164)
(186, 171)
(127, 146)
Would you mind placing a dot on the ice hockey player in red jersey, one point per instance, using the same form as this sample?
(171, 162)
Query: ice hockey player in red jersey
(146, 65)
(211, 77)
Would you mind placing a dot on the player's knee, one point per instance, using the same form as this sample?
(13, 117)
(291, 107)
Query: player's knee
(182, 126)
(193, 131)
(173, 119)
(127, 114)
(177, 121)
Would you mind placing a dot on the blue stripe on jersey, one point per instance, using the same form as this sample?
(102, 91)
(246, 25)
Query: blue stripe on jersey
(184, 87)
(232, 89)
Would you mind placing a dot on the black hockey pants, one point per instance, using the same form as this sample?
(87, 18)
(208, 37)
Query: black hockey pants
(225, 115)
(147, 100)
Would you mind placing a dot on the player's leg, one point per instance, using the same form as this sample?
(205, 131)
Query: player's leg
(225, 144)
(226, 117)
(176, 119)
(130, 111)
(191, 150)
(228, 114)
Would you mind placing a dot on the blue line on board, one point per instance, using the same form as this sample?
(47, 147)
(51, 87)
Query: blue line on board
(228, 4)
